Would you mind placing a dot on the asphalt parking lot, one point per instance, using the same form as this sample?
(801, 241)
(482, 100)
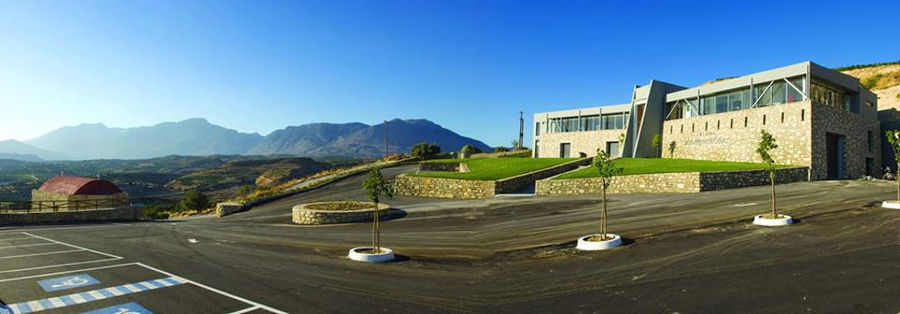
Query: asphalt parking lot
(683, 253)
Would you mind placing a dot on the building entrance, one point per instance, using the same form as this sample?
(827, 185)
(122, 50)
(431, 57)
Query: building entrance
(834, 155)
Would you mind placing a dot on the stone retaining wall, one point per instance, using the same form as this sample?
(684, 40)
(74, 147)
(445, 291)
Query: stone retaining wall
(228, 208)
(475, 189)
(444, 166)
(115, 214)
(679, 182)
(302, 215)
(443, 187)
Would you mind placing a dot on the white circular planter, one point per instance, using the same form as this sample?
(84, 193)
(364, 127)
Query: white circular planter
(891, 204)
(356, 254)
(782, 220)
(613, 240)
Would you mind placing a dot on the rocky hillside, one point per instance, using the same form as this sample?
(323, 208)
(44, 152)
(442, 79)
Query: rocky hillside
(883, 79)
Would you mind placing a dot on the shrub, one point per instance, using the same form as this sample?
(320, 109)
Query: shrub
(193, 200)
(469, 150)
(425, 150)
(158, 210)
(500, 149)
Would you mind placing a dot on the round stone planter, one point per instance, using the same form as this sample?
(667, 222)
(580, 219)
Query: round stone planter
(891, 204)
(613, 240)
(307, 214)
(782, 220)
(357, 254)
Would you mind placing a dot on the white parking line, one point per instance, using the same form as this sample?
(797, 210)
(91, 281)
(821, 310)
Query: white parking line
(249, 309)
(66, 272)
(14, 239)
(71, 245)
(258, 305)
(39, 254)
(59, 265)
(25, 245)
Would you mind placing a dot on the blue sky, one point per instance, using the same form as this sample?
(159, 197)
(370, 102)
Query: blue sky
(257, 66)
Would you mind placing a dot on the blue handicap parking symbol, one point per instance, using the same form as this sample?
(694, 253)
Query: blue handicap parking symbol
(127, 308)
(67, 282)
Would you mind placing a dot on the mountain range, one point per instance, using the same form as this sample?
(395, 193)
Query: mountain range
(199, 137)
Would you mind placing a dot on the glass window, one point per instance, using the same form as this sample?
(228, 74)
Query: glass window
(537, 128)
(778, 92)
(722, 103)
(590, 123)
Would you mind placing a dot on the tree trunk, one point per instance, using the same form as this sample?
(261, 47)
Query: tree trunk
(772, 179)
(897, 177)
(603, 215)
(375, 230)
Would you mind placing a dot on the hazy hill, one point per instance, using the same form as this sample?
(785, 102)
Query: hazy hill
(881, 78)
(192, 137)
(12, 149)
(357, 139)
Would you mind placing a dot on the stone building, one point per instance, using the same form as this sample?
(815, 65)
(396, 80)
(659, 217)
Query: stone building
(76, 193)
(820, 118)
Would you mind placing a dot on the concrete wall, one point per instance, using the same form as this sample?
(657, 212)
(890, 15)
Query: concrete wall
(116, 214)
(586, 142)
(228, 208)
(682, 182)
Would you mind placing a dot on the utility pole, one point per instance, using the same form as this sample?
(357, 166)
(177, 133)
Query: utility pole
(386, 149)
(521, 130)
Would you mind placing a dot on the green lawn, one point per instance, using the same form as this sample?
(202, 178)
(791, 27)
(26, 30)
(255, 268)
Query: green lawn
(666, 165)
(494, 168)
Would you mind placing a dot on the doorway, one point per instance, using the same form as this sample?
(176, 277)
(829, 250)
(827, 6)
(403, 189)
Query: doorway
(564, 150)
(834, 155)
(612, 148)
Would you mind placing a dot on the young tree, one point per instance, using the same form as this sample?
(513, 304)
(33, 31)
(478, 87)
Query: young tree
(893, 137)
(376, 186)
(766, 145)
(672, 149)
(607, 169)
(514, 144)
(656, 142)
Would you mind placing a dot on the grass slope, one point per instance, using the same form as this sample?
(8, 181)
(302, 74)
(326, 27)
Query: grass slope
(494, 168)
(665, 165)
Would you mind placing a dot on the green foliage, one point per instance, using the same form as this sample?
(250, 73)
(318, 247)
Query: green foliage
(158, 210)
(621, 138)
(672, 149)
(514, 143)
(376, 186)
(469, 149)
(425, 150)
(656, 141)
(494, 168)
(766, 145)
(870, 82)
(501, 149)
(193, 200)
(861, 66)
(893, 137)
(667, 165)
(606, 167)
(245, 190)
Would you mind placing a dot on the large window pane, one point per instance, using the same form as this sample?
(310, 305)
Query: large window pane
(778, 92)
(722, 103)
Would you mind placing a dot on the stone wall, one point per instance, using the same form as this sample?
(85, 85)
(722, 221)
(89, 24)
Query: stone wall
(116, 214)
(476, 189)
(585, 142)
(679, 182)
(799, 128)
(228, 208)
(854, 128)
(443, 187)
(517, 183)
(302, 215)
(444, 166)
(733, 136)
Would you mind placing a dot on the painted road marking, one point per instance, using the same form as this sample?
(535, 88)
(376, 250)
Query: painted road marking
(71, 245)
(67, 282)
(127, 308)
(66, 272)
(89, 296)
(25, 245)
(39, 254)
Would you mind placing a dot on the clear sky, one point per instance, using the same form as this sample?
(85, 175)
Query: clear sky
(257, 66)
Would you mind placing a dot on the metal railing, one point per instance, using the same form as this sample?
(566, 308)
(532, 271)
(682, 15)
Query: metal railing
(57, 206)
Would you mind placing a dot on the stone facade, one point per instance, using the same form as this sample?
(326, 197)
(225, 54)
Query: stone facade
(228, 208)
(681, 182)
(302, 215)
(583, 143)
(115, 214)
(799, 128)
